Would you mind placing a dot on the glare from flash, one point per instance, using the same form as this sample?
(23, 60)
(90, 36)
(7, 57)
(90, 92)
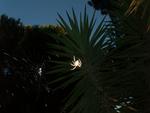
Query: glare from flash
(76, 63)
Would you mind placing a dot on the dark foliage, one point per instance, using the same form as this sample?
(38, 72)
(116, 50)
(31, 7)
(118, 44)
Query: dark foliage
(23, 52)
(11, 31)
(103, 5)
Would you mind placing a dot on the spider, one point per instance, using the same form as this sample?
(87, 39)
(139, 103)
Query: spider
(75, 63)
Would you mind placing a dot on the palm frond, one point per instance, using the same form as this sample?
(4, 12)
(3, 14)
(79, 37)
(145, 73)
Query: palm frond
(88, 44)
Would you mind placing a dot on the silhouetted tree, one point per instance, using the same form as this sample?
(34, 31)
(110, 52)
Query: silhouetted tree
(11, 32)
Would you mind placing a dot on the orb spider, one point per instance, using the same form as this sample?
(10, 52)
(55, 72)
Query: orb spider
(76, 63)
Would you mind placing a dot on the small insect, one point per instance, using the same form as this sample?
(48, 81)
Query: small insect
(76, 63)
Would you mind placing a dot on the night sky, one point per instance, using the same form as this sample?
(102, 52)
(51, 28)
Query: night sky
(42, 12)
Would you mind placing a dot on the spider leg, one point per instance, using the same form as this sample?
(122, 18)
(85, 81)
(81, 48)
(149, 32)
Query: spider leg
(74, 58)
(80, 63)
(73, 68)
(72, 64)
